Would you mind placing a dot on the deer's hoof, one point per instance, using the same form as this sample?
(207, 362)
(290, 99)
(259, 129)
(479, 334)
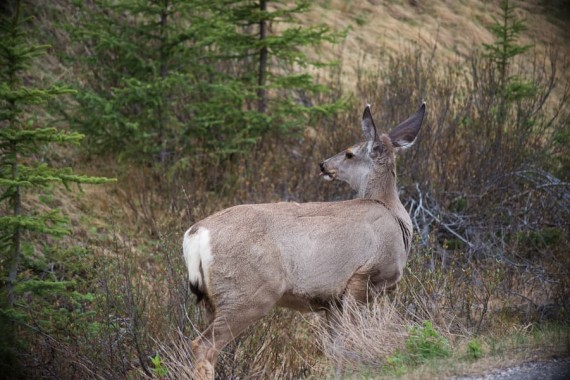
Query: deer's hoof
(204, 370)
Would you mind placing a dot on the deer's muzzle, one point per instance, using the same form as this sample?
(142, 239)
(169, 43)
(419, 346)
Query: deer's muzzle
(328, 175)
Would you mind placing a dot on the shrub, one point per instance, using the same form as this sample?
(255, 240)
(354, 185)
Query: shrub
(425, 343)
(474, 349)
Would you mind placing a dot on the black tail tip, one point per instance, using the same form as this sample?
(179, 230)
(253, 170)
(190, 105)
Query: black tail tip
(197, 292)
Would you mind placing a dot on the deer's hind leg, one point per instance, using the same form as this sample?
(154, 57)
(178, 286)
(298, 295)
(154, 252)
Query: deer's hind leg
(226, 326)
(367, 283)
(359, 286)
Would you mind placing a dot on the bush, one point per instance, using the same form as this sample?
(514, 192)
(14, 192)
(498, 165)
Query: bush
(425, 343)
(474, 349)
(422, 345)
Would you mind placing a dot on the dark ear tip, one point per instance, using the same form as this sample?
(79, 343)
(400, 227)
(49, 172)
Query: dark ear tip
(422, 110)
(367, 111)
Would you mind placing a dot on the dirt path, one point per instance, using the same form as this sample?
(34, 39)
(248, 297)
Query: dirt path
(553, 369)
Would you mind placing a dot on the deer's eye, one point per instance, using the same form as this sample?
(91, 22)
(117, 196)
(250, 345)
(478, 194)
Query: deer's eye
(349, 155)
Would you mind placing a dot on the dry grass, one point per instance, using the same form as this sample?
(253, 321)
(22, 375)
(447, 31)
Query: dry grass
(360, 337)
(176, 356)
(368, 341)
(457, 28)
(280, 346)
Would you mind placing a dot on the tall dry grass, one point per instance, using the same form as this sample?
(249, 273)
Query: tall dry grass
(358, 337)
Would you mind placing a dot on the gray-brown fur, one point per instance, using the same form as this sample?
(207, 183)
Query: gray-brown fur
(308, 256)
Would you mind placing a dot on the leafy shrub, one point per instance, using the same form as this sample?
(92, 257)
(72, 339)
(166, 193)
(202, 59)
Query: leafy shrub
(425, 343)
(474, 349)
(159, 369)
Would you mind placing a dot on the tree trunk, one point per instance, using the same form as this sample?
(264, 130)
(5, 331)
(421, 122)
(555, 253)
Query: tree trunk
(16, 235)
(163, 73)
(261, 94)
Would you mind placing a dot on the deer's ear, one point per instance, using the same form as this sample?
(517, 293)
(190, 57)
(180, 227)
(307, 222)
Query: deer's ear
(368, 127)
(404, 135)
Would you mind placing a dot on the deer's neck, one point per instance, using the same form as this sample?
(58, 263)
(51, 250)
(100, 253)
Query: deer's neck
(380, 185)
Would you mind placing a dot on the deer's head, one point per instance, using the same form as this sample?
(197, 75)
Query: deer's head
(372, 161)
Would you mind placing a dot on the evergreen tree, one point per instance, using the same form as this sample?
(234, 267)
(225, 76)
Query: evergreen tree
(22, 170)
(130, 102)
(184, 77)
(275, 63)
(501, 52)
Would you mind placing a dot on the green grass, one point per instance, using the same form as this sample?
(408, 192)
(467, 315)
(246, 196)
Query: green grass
(423, 344)
(473, 355)
(429, 355)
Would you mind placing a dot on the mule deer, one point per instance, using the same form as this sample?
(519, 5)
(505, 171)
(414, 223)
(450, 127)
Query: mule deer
(244, 260)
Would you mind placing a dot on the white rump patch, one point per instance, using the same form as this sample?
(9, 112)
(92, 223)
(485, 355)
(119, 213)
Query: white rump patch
(198, 253)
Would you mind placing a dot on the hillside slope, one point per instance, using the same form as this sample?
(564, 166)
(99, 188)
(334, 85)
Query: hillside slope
(455, 27)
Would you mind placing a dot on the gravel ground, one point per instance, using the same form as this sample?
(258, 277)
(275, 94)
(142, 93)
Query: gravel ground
(554, 369)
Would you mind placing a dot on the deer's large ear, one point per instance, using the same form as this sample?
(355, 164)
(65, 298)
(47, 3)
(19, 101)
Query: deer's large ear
(404, 135)
(368, 127)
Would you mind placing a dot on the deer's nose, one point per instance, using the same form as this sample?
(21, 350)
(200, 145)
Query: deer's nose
(322, 166)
